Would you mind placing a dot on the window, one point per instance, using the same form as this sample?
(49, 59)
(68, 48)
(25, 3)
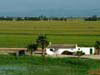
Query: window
(51, 49)
(79, 49)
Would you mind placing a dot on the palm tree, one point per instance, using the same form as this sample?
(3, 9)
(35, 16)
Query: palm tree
(42, 42)
(31, 48)
(97, 46)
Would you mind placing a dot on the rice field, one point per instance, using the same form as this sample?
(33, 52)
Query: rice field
(22, 33)
(10, 65)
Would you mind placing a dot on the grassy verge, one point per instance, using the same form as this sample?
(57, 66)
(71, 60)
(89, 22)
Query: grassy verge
(18, 41)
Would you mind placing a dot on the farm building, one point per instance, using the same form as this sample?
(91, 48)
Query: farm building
(18, 51)
(13, 51)
(68, 49)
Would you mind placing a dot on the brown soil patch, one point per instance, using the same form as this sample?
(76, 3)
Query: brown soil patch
(94, 72)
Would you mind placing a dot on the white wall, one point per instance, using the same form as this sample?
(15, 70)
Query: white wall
(59, 51)
(49, 52)
(86, 50)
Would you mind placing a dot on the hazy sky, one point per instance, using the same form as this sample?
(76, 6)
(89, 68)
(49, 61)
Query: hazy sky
(49, 7)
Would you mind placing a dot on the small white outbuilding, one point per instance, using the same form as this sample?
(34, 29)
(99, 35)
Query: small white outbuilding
(68, 49)
(87, 50)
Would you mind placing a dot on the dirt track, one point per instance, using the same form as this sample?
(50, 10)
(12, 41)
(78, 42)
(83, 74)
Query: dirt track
(92, 56)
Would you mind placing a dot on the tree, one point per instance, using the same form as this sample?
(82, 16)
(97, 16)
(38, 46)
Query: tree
(79, 53)
(42, 42)
(31, 48)
(97, 46)
(93, 18)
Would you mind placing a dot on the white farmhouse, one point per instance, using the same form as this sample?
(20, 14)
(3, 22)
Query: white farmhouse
(87, 50)
(68, 49)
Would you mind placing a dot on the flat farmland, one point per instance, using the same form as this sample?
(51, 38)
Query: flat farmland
(22, 33)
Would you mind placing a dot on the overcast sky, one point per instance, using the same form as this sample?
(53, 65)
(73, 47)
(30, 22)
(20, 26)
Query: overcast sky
(49, 7)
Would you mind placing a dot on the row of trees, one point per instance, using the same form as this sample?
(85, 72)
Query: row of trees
(45, 18)
(93, 18)
(41, 42)
(32, 18)
(6, 18)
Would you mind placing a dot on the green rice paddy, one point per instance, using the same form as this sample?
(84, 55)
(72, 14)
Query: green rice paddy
(22, 33)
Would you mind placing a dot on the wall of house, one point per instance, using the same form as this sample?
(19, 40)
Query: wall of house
(48, 52)
(59, 51)
(86, 50)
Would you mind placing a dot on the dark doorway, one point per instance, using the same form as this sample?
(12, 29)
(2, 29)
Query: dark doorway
(91, 51)
(21, 53)
(67, 53)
